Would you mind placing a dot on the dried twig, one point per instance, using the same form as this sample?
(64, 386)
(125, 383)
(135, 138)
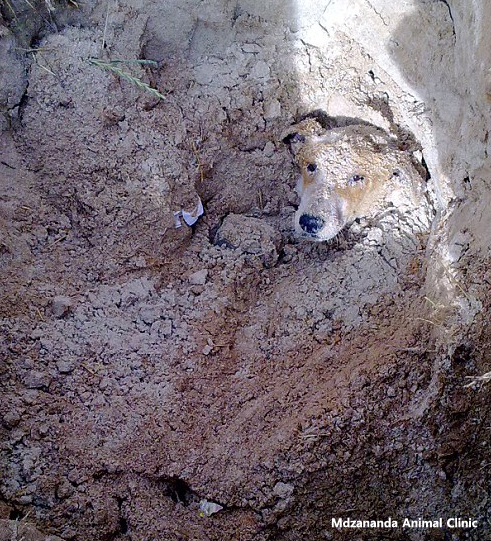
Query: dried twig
(198, 161)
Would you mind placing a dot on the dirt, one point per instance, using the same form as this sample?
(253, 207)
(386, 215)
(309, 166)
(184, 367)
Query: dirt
(149, 371)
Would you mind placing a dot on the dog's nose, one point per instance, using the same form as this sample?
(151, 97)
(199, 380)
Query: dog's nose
(311, 224)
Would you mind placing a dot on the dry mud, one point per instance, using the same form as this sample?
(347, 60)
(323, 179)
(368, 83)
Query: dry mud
(148, 368)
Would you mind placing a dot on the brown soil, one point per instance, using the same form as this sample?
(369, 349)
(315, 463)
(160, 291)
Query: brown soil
(147, 368)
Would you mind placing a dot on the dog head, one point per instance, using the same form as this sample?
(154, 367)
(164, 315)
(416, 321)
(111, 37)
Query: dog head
(346, 173)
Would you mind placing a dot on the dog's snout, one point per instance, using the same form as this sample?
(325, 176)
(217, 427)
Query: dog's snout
(311, 224)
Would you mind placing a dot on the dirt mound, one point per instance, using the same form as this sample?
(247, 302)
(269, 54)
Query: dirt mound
(225, 380)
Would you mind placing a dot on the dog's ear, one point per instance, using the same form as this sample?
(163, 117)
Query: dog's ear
(306, 128)
(326, 121)
(377, 139)
(297, 135)
(380, 141)
(292, 137)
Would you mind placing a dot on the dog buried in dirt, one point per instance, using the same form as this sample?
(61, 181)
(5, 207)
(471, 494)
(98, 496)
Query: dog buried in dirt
(348, 172)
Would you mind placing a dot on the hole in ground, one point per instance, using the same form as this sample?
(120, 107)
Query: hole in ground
(178, 490)
(15, 514)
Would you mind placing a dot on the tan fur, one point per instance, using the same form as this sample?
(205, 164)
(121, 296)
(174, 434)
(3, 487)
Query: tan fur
(330, 195)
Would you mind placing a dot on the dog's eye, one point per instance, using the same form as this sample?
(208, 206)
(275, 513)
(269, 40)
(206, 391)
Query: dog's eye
(311, 167)
(356, 178)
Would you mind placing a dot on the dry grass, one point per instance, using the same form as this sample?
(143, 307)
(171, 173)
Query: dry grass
(198, 161)
(439, 314)
(10, 7)
(36, 6)
(485, 378)
(113, 66)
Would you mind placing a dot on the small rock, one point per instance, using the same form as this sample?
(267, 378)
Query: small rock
(260, 70)
(272, 109)
(36, 379)
(46, 343)
(281, 506)
(16, 436)
(136, 290)
(202, 74)
(98, 401)
(252, 236)
(269, 149)
(150, 314)
(64, 489)
(289, 253)
(16, 529)
(250, 48)
(207, 349)
(104, 383)
(198, 278)
(197, 290)
(38, 332)
(64, 367)
(283, 490)
(162, 327)
(12, 418)
(61, 305)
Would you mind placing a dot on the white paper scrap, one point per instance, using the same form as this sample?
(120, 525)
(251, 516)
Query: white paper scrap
(189, 217)
(209, 508)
